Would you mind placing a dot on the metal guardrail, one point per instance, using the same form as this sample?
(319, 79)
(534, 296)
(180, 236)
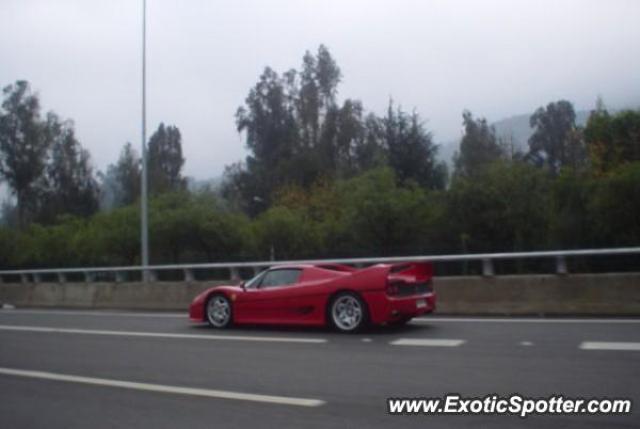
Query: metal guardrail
(487, 260)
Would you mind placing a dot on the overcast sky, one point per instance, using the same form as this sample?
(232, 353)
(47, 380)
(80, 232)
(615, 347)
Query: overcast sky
(496, 58)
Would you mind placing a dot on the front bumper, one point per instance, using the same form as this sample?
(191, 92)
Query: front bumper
(196, 309)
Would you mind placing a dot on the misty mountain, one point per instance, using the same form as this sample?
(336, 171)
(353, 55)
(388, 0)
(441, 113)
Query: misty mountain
(199, 185)
(514, 129)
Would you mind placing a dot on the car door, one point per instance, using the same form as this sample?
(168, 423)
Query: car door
(267, 300)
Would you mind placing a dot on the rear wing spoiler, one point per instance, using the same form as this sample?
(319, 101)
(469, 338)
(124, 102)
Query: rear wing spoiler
(402, 272)
(338, 267)
(415, 270)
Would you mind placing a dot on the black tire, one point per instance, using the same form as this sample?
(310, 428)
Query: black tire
(219, 311)
(353, 316)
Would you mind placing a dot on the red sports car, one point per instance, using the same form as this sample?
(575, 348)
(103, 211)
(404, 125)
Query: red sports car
(316, 295)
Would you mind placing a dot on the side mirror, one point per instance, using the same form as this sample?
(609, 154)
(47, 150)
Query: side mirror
(242, 285)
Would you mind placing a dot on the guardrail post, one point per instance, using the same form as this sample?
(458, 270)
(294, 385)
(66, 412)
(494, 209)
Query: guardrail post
(36, 278)
(24, 278)
(234, 274)
(561, 265)
(88, 276)
(151, 275)
(487, 268)
(120, 277)
(188, 275)
(62, 278)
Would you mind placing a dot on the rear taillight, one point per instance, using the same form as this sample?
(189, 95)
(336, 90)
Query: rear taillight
(429, 285)
(393, 288)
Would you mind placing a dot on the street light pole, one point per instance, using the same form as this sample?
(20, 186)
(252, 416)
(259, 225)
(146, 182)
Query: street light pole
(144, 239)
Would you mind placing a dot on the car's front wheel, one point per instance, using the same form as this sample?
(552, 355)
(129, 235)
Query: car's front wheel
(219, 311)
(348, 312)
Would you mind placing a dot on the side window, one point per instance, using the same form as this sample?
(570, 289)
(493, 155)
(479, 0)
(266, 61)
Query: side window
(255, 282)
(280, 278)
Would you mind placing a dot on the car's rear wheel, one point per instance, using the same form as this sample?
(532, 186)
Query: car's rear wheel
(219, 311)
(348, 312)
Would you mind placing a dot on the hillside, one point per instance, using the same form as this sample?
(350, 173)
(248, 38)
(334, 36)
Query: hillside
(514, 128)
(517, 129)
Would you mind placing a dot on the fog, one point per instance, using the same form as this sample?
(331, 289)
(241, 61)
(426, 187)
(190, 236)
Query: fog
(496, 58)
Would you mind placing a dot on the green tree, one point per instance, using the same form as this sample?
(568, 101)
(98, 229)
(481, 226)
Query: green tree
(116, 236)
(271, 135)
(23, 146)
(383, 217)
(284, 233)
(308, 103)
(502, 209)
(411, 150)
(612, 140)
(614, 207)
(9, 215)
(328, 75)
(370, 151)
(328, 130)
(165, 160)
(242, 189)
(69, 184)
(479, 147)
(170, 224)
(220, 234)
(295, 130)
(570, 222)
(555, 137)
(342, 132)
(8, 247)
(315, 95)
(51, 245)
(121, 184)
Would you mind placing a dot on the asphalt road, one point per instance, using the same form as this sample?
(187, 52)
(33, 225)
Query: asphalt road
(80, 369)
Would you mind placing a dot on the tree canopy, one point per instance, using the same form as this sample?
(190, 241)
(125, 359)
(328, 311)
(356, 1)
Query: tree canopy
(479, 147)
(324, 177)
(298, 132)
(556, 139)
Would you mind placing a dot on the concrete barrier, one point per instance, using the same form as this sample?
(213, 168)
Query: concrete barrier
(616, 294)
(129, 296)
(579, 294)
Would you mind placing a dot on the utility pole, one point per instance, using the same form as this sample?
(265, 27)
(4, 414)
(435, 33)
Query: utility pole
(144, 239)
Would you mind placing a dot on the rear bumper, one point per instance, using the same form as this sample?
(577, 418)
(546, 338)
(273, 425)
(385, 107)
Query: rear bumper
(385, 309)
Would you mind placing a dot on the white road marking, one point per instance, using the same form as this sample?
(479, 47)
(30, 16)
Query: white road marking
(46, 329)
(598, 345)
(107, 313)
(366, 340)
(526, 343)
(97, 313)
(520, 320)
(177, 390)
(427, 342)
